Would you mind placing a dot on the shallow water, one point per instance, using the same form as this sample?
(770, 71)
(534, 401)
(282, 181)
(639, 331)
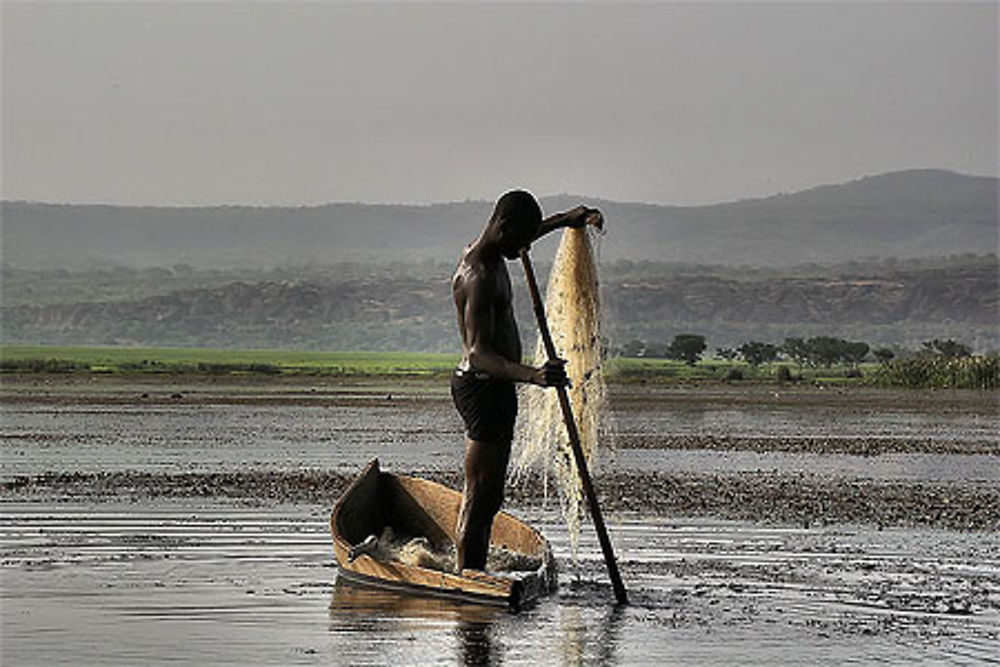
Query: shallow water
(891, 466)
(426, 435)
(223, 437)
(811, 422)
(216, 583)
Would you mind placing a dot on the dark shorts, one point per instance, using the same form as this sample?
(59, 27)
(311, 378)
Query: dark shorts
(488, 406)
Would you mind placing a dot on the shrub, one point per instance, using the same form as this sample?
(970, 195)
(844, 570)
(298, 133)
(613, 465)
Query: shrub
(884, 355)
(41, 366)
(227, 368)
(946, 348)
(686, 348)
(939, 372)
(756, 353)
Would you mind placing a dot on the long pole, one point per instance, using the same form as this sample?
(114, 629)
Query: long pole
(574, 435)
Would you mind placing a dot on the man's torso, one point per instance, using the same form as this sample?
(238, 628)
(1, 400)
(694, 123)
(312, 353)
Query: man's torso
(494, 281)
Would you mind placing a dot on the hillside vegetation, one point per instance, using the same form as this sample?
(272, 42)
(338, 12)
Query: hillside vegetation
(408, 307)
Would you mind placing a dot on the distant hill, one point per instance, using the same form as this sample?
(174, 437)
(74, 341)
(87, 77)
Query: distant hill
(919, 213)
(410, 308)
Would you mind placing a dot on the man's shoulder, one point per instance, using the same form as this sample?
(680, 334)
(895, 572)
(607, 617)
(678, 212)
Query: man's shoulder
(474, 274)
(470, 274)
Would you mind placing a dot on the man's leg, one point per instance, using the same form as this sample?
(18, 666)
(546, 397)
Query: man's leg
(485, 475)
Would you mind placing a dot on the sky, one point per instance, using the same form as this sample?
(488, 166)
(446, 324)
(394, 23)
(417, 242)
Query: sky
(192, 103)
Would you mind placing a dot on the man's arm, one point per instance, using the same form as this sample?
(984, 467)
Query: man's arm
(480, 328)
(575, 217)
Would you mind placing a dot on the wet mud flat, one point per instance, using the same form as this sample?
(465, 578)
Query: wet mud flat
(789, 455)
(154, 521)
(761, 496)
(192, 581)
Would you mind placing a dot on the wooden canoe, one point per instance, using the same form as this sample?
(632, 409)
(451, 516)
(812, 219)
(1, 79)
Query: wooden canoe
(418, 507)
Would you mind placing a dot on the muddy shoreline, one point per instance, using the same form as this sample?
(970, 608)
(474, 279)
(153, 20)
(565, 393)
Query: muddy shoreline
(653, 420)
(767, 498)
(153, 520)
(417, 393)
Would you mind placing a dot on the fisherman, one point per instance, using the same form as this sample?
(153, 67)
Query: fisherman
(483, 384)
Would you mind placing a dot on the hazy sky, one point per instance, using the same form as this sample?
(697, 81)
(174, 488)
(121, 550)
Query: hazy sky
(296, 103)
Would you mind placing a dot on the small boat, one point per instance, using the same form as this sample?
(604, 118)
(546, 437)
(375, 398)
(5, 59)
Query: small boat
(380, 504)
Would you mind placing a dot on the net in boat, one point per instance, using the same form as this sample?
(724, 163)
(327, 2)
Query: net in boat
(420, 552)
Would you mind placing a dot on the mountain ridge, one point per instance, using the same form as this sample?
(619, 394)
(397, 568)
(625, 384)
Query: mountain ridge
(567, 196)
(911, 213)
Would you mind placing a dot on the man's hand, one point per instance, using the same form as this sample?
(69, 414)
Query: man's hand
(582, 216)
(552, 374)
(577, 217)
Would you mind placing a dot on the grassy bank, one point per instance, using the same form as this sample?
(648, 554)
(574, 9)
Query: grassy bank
(666, 370)
(176, 361)
(936, 372)
(970, 373)
(124, 360)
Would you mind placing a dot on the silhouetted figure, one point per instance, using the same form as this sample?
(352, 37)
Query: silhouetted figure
(483, 384)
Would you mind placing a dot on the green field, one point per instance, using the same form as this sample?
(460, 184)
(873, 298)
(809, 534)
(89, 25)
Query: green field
(120, 360)
(639, 370)
(979, 372)
(28, 358)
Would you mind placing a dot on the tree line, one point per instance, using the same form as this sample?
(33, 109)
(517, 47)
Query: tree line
(816, 351)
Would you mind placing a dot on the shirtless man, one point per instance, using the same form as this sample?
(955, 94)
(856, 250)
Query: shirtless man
(483, 383)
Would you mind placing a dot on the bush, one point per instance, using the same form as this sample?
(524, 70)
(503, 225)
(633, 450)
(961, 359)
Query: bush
(884, 355)
(227, 368)
(783, 375)
(41, 366)
(939, 372)
(686, 348)
(756, 353)
(733, 375)
(947, 348)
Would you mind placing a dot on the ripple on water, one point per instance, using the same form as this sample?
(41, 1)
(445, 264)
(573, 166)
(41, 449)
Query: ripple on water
(210, 582)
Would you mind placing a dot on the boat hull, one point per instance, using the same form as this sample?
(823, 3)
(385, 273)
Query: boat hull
(418, 507)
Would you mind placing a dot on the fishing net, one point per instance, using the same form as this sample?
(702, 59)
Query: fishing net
(572, 304)
(420, 552)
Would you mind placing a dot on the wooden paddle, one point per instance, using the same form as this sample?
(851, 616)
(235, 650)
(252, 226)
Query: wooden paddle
(574, 434)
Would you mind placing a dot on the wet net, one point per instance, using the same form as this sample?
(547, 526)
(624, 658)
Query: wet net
(572, 304)
(420, 552)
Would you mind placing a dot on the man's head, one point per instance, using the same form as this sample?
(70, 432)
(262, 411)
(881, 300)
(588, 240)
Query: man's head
(515, 221)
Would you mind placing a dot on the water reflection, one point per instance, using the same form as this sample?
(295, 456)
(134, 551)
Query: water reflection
(590, 627)
(380, 617)
(477, 645)
(352, 599)
(609, 635)
(387, 626)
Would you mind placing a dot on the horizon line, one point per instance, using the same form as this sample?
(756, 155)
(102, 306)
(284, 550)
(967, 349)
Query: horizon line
(472, 200)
